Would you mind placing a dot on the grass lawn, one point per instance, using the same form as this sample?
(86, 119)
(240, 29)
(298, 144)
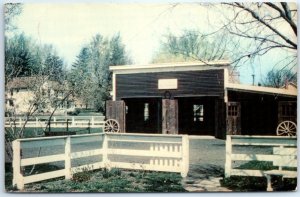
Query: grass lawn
(114, 180)
(244, 183)
(34, 132)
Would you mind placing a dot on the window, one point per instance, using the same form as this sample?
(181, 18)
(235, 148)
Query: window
(198, 113)
(287, 110)
(146, 111)
(232, 110)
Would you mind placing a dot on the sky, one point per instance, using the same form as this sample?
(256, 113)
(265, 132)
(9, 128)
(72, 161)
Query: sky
(69, 26)
(142, 26)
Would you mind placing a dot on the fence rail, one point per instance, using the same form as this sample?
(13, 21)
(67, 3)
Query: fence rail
(58, 122)
(168, 153)
(235, 141)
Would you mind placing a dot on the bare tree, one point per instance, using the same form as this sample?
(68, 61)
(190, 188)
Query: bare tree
(258, 28)
(279, 78)
(252, 30)
(191, 46)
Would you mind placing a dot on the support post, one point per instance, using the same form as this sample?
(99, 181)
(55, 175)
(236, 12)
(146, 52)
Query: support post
(18, 179)
(228, 156)
(185, 156)
(73, 121)
(68, 166)
(36, 122)
(20, 122)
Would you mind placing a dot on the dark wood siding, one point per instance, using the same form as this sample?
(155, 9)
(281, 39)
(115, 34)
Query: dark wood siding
(190, 83)
(259, 112)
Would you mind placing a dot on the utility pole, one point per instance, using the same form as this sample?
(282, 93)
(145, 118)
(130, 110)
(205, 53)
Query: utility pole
(253, 77)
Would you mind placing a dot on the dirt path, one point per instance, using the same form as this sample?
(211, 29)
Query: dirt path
(207, 159)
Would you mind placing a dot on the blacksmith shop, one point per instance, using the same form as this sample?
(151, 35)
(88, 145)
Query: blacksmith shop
(196, 98)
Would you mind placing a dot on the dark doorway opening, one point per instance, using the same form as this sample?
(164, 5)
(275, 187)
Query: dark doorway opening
(196, 116)
(143, 115)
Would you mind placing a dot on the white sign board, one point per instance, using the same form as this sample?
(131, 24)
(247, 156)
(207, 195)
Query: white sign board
(167, 84)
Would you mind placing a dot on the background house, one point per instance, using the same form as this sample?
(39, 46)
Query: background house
(22, 92)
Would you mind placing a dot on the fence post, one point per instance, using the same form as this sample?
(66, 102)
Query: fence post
(73, 121)
(36, 122)
(92, 121)
(68, 172)
(185, 156)
(18, 178)
(105, 152)
(228, 156)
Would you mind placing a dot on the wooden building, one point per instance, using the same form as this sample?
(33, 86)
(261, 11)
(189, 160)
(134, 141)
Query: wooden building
(195, 98)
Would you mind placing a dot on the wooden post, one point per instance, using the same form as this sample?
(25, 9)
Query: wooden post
(68, 167)
(228, 156)
(18, 179)
(185, 155)
(105, 152)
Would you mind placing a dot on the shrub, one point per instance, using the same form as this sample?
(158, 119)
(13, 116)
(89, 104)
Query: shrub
(163, 182)
(249, 183)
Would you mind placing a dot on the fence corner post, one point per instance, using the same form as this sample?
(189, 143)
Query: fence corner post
(18, 179)
(185, 156)
(105, 160)
(68, 166)
(228, 156)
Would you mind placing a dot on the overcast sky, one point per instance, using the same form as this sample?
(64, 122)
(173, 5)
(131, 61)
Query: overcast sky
(142, 26)
(69, 26)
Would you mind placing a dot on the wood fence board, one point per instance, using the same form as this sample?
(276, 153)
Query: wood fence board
(87, 153)
(40, 160)
(44, 176)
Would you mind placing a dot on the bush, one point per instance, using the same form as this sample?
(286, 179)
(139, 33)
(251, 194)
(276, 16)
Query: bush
(163, 182)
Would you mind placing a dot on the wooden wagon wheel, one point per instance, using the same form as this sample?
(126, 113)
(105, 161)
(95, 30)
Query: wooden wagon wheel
(287, 128)
(111, 126)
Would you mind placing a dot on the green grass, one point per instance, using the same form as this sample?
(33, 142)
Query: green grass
(33, 132)
(248, 183)
(115, 180)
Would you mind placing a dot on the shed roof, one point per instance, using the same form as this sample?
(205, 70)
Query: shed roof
(166, 67)
(261, 89)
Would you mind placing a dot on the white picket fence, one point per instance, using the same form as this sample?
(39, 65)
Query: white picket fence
(235, 142)
(58, 122)
(155, 152)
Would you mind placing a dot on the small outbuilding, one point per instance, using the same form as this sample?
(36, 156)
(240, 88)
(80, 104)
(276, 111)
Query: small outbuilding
(195, 98)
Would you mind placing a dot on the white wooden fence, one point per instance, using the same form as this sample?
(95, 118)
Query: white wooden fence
(58, 122)
(234, 142)
(154, 152)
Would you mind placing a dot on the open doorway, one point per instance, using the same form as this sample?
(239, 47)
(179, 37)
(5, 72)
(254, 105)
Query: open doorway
(143, 115)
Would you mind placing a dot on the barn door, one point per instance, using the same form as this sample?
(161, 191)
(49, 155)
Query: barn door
(169, 116)
(233, 118)
(116, 110)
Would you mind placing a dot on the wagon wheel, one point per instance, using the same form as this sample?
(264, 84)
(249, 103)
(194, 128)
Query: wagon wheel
(111, 126)
(287, 128)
